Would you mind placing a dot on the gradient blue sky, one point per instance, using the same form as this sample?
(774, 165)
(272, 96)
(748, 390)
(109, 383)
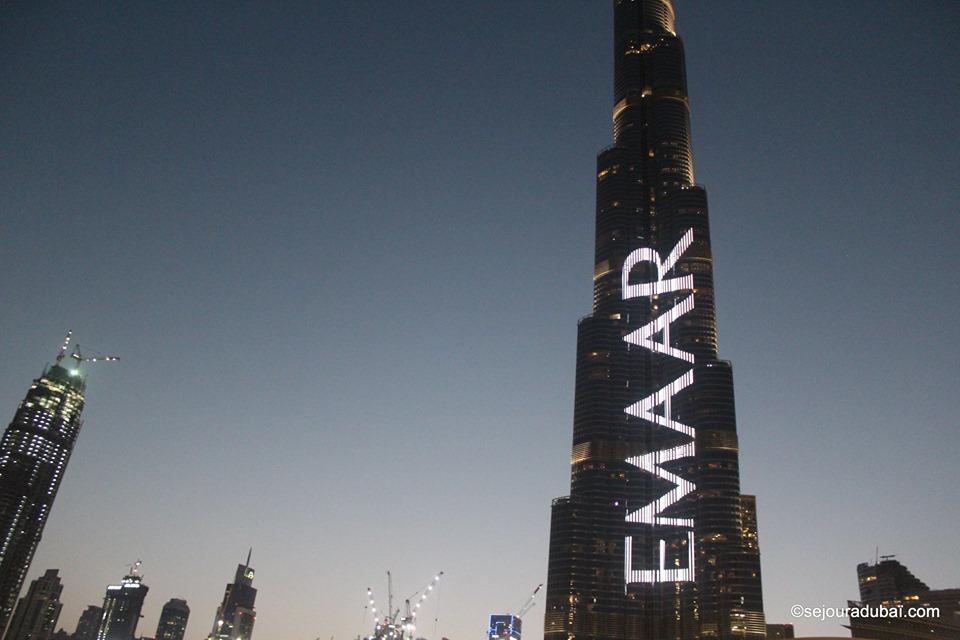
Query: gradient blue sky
(342, 247)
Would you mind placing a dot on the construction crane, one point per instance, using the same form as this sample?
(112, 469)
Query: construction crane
(392, 626)
(530, 602)
(423, 593)
(77, 355)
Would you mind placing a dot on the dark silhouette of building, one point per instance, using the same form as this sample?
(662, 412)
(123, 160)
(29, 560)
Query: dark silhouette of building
(34, 453)
(236, 615)
(61, 634)
(891, 585)
(888, 583)
(779, 631)
(655, 540)
(173, 620)
(89, 623)
(37, 612)
(121, 607)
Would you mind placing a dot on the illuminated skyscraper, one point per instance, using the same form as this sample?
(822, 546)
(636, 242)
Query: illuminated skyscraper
(655, 540)
(236, 615)
(121, 607)
(34, 453)
(173, 620)
(37, 612)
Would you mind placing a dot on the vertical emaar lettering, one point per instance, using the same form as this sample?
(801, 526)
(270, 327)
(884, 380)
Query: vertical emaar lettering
(645, 337)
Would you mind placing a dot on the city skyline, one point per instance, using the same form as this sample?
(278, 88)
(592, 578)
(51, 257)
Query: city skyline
(358, 226)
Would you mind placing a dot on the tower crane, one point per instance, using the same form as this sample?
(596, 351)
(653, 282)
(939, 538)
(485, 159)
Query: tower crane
(391, 626)
(78, 355)
(530, 602)
(423, 593)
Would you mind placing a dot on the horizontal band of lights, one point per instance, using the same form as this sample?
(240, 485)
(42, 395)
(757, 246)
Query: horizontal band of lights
(652, 462)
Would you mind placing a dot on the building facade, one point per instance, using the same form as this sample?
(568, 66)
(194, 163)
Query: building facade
(889, 584)
(173, 620)
(34, 453)
(89, 623)
(36, 615)
(236, 614)
(655, 539)
(122, 605)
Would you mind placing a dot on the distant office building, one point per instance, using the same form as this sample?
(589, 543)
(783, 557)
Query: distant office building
(88, 624)
(236, 615)
(121, 607)
(504, 626)
(779, 631)
(890, 584)
(34, 453)
(37, 612)
(173, 620)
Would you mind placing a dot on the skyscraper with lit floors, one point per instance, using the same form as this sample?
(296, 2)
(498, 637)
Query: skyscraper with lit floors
(36, 615)
(655, 540)
(122, 605)
(34, 452)
(236, 615)
(173, 620)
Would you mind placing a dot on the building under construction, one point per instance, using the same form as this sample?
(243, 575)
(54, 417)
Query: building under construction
(398, 623)
(34, 453)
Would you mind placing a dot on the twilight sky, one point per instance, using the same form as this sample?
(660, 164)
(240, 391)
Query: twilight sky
(342, 248)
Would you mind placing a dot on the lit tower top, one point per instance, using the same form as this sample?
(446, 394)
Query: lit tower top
(34, 452)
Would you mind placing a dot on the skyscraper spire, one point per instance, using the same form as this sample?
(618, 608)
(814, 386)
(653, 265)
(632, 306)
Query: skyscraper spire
(654, 540)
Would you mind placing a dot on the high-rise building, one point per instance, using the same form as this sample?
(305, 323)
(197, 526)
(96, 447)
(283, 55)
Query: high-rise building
(34, 453)
(121, 607)
(889, 584)
(173, 620)
(37, 612)
(655, 540)
(236, 615)
(89, 623)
